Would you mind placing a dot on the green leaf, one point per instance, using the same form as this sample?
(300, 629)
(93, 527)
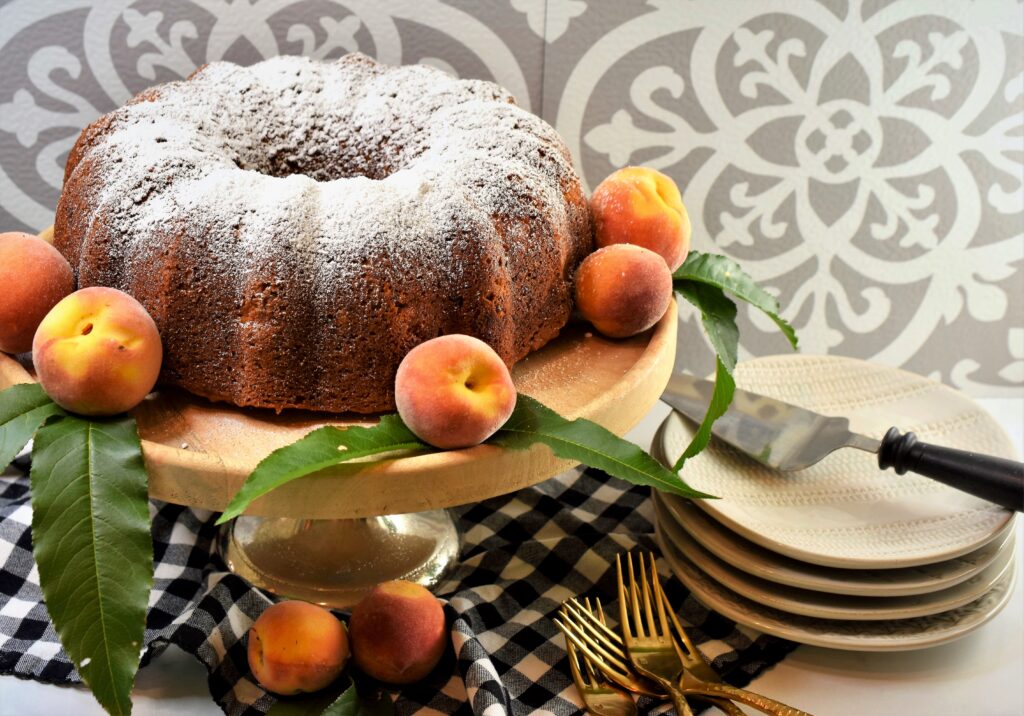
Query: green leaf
(328, 701)
(320, 449)
(725, 386)
(589, 443)
(23, 408)
(703, 280)
(718, 315)
(91, 540)
(530, 423)
(372, 702)
(342, 698)
(726, 274)
(345, 705)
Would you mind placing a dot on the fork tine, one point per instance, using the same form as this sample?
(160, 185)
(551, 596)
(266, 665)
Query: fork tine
(598, 619)
(576, 620)
(596, 677)
(586, 619)
(626, 600)
(628, 625)
(634, 599)
(614, 638)
(652, 626)
(574, 666)
(600, 630)
(666, 630)
(684, 637)
(623, 603)
(595, 648)
(609, 670)
(571, 639)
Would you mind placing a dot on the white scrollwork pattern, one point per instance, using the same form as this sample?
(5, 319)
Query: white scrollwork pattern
(864, 163)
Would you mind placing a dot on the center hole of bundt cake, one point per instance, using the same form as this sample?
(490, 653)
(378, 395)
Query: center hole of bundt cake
(324, 164)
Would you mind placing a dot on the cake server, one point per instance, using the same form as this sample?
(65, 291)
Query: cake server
(787, 437)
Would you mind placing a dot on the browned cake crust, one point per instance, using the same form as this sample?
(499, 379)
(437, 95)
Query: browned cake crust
(295, 227)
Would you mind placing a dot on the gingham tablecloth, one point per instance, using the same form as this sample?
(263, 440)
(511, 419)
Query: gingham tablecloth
(522, 554)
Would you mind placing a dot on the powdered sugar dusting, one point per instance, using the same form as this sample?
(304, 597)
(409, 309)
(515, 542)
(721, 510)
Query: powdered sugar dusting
(327, 161)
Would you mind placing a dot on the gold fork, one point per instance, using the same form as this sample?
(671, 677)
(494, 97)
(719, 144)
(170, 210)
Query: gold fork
(592, 621)
(585, 626)
(651, 649)
(689, 683)
(693, 659)
(599, 695)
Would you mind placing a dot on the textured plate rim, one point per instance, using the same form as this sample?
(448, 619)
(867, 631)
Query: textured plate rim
(922, 640)
(792, 606)
(817, 584)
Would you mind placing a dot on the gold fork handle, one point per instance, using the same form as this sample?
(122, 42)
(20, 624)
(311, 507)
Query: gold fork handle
(679, 701)
(675, 694)
(761, 703)
(726, 706)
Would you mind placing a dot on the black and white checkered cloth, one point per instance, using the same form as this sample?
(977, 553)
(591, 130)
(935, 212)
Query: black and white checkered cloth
(522, 554)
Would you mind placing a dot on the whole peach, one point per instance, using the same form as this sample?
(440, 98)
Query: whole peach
(642, 206)
(297, 647)
(97, 352)
(454, 391)
(623, 289)
(33, 277)
(398, 632)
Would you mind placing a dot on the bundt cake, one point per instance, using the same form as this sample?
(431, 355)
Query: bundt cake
(296, 227)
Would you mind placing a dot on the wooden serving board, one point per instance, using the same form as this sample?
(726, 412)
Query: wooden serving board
(199, 453)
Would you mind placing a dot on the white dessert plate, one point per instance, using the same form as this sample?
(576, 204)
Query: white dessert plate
(857, 635)
(844, 511)
(760, 562)
(831, 606)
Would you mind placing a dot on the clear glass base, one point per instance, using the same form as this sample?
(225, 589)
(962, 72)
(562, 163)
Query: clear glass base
(336, 562)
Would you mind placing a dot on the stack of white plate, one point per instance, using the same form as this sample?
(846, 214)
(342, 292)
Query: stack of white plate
(842, 554)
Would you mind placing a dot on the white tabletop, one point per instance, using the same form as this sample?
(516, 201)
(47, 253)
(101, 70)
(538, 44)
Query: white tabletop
(983, 673)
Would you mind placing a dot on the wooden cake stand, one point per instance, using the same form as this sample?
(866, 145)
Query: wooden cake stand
(329, 537)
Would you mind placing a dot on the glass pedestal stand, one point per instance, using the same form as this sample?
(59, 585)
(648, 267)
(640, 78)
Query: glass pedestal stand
(336, 562)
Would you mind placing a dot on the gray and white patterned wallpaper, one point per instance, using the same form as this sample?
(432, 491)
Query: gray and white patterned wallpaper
(861, 158)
